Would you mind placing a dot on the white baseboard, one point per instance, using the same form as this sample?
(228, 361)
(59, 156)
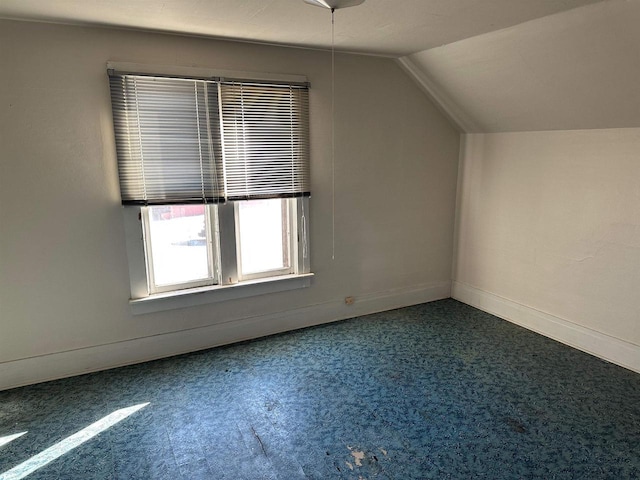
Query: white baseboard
(608, 348)
(42, 368)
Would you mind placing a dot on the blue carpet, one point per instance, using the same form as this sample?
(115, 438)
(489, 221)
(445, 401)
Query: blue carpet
(439, 390)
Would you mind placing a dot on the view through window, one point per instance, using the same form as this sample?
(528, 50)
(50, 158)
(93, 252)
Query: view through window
(263, 233)
(178, 243)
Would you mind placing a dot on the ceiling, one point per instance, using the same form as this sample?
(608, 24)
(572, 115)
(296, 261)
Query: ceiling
(383, 27)
(575, 70)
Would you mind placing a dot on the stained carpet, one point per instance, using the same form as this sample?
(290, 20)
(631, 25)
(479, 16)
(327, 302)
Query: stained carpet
(439, 390)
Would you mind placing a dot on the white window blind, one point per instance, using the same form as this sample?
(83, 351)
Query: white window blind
(192, 140)
(265, 140)
(166, 152)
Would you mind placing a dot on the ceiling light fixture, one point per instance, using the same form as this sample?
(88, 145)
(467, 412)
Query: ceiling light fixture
(333, 5)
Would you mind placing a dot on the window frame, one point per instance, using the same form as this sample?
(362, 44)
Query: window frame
(213, 254)
(291, 246)
(143, 300)
(219, 272)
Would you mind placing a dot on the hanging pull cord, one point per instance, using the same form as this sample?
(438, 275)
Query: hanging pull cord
(333, 137)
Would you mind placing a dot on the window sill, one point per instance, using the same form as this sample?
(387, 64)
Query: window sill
(218, 293)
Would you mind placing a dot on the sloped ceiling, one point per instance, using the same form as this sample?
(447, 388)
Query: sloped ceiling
(382, 27)
(578, 69)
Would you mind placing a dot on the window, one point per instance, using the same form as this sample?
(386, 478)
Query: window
(217, 172)
(263, 238)
(178, 249)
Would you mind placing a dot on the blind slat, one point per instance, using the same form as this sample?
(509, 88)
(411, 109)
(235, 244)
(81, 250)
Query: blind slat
(165, 153)
(266, 140)
(184, 140)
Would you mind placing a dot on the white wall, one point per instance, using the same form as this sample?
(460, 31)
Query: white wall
(64, 284)
(548, 235)
(548, 217)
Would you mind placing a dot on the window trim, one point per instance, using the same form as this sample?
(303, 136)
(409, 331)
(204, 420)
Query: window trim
(195, 72)
(218, 293)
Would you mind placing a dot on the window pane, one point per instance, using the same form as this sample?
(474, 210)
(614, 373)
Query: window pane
(178, 244)
(264, 237)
